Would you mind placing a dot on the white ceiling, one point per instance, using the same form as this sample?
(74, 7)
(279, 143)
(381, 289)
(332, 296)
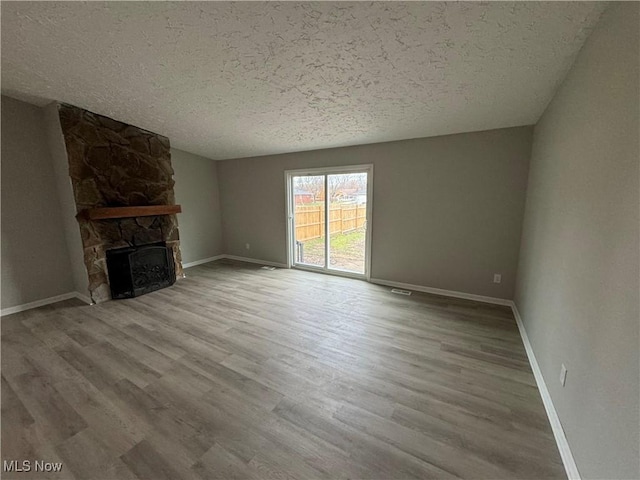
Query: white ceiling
(229, 80)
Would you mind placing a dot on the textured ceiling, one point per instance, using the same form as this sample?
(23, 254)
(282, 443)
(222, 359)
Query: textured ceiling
(228, 80)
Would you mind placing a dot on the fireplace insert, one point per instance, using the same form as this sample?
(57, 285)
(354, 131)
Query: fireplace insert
(134, 271)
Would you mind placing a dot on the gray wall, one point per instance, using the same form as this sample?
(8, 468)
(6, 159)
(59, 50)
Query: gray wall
(447, 211)
(196, 190)
(577, 288)
(34, 256)
(68, 209)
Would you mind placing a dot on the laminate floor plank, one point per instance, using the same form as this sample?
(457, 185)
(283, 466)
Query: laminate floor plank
(241, 373)
(147, 464)
(49, 409)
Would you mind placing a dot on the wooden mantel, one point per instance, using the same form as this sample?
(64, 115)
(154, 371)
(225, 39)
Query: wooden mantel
(104, 213)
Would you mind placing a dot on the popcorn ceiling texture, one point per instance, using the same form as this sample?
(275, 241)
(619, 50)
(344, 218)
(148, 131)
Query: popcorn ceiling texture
(112, 164)
(228, 80)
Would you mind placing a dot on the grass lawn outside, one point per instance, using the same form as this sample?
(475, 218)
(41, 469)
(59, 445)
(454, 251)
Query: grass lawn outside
(346, 251)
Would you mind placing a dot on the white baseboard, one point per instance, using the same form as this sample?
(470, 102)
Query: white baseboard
(255, 260)
(85, 298)
(234, 257)
(446, 293)
(204, 260)
(43, 302)
(558, 432)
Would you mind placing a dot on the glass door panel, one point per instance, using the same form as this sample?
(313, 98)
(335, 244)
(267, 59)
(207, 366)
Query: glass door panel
(308, 204)
(347, 200)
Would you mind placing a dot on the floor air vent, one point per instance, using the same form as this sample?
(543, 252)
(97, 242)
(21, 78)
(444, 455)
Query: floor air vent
(398, 291)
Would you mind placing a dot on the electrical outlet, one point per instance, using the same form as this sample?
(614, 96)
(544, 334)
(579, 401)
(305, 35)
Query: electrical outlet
(247, 246)
(563, 374)
(497, 278)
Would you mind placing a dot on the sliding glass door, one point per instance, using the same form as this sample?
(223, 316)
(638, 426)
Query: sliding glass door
(329, 215)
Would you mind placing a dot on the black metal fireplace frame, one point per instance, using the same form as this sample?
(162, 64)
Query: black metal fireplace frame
(130, 276)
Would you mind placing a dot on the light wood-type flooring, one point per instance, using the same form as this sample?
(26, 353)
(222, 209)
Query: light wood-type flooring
(240, 372)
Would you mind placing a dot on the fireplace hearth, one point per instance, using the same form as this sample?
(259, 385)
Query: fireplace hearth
(134, 271)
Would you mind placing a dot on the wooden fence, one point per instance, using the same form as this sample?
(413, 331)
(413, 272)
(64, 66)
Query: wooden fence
(343, 218)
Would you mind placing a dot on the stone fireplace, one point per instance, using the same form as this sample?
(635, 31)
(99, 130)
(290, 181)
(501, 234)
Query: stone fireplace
(112, 164)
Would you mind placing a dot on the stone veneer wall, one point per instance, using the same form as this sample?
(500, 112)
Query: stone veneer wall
(112, 164)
